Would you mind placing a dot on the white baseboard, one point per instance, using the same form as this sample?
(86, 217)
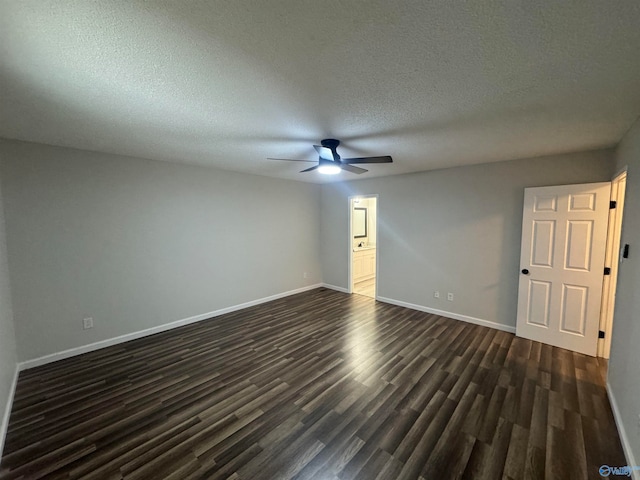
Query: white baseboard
(455, 316)
(72, 352)
(626, 447)
(336, 288)
(7, 411)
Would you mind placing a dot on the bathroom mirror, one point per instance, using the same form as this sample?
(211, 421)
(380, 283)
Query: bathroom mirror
(359, 222)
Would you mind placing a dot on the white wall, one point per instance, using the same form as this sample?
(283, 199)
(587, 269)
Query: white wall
(624, 364)
(455, 230)
(137, 243)
(8, 357)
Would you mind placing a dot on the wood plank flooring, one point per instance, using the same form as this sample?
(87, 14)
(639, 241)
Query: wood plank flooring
(319, 385)
(366, 288)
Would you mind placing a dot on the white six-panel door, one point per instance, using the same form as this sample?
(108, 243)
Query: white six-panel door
(562, 265)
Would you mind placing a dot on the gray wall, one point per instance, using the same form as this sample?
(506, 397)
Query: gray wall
(624, 364)
(8, 357)
(455, 230)
(137, 243)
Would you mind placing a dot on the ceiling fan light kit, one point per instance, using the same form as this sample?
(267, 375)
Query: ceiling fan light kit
(327, 167)
(330, 162)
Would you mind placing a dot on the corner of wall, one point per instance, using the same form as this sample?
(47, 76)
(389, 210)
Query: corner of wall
(623, 376)
(622, 432)
(8, 349)
(4, 424)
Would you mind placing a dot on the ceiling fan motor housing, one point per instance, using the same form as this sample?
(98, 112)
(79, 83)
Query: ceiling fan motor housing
(332, 144)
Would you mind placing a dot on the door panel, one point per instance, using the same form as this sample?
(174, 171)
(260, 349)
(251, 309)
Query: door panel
(563, 247)
(574, 309)
(544, 233)
(579, 239)
(545, 203)
(582, 202)
(539, 306)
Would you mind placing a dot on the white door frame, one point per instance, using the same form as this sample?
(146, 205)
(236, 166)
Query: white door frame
(350, 239)
(612, 260)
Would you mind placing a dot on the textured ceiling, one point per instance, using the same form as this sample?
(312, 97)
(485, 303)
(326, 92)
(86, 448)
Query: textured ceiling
(229, 83)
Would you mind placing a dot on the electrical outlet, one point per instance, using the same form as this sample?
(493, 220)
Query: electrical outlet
(87, 323)
(450, 296)
(305, 275)
(436, 294)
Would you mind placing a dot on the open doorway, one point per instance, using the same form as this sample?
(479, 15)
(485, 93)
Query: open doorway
(613, 258)
(363, 246)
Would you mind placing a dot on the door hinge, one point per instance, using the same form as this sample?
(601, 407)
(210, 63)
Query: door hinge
(613, 204)
(600, 334)
(607, 270)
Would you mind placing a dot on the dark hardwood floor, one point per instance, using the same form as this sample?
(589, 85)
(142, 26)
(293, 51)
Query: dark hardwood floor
(318, 385)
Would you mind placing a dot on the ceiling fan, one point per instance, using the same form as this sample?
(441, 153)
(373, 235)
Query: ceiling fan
(329, 162)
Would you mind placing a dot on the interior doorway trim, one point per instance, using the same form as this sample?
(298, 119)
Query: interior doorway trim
(350, 241)
(613, 257)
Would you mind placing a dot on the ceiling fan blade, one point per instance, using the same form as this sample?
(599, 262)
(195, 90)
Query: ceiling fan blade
(309, 169)
(351, 169)
(292, 160)
(324, 152)
(385, 159)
